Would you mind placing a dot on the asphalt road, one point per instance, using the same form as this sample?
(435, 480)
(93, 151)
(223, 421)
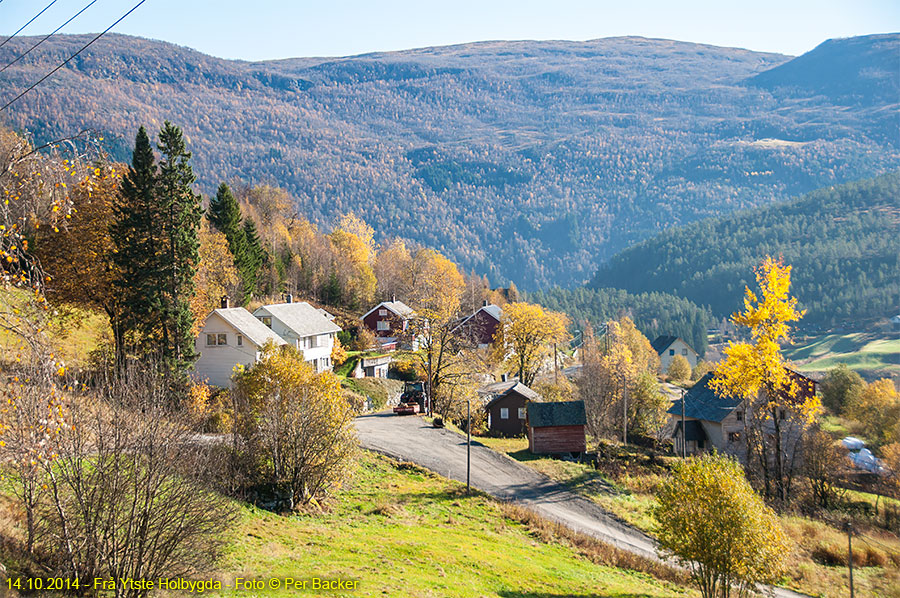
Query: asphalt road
(410, 438)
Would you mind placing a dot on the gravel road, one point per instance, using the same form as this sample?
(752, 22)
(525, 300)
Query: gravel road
(410, 438)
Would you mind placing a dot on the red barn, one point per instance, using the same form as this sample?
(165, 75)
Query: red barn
(555, 428)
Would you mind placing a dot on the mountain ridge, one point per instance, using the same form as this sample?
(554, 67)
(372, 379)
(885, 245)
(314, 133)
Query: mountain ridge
(525, 161)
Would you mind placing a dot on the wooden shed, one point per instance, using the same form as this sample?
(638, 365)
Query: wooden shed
(555, 428)
(506, 404)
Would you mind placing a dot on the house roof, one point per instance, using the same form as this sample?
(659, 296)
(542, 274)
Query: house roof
(664, 342)
(495, 311)
(398, 307)
(701, 402)
(693, 431)
(302, 318)
(243, 321)
(567, 413)
(500, 390)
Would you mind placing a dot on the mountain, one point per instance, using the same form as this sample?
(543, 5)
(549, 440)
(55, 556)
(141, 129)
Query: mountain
(842, 243)
(525, 161)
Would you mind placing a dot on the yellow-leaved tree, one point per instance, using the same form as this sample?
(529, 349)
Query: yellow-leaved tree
(216, 276)
(712, 521)
(526, 338)
(355, 251)
(292, 426)
(778, 404)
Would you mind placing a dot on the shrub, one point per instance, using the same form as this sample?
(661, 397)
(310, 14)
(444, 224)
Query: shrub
(679, 368)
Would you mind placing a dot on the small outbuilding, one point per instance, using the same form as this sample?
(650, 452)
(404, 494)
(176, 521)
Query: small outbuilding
(506, 405)
(555, 428)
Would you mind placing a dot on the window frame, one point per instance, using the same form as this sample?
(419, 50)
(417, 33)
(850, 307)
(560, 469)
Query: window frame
(504, 413)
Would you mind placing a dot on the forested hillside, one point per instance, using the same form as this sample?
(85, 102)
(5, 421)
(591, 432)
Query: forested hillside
(525, 161)
(842, 242)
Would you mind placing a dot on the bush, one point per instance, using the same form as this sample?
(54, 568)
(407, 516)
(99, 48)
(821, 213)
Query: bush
(711, 520)
(364, 339)
(840, 387)
(679, 368)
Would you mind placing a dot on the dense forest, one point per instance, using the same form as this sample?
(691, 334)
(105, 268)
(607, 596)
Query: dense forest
(842, 242)
(530, 162)
(654, 314)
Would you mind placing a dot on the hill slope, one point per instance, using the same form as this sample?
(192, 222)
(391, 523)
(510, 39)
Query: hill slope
(530, 161)
(841, 241)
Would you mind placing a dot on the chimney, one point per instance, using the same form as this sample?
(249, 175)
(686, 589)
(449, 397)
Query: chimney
(393, 297)
(484, 303)
(503, 377)
(224, 302)
(289, 298)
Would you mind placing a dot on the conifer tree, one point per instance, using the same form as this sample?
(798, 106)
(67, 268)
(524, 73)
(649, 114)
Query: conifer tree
(225, 215)
(257, 256)
(137, 245)
(181, 214)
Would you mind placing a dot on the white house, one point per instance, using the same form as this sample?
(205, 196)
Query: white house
(668, 347)
(303, 326)
(229, 337)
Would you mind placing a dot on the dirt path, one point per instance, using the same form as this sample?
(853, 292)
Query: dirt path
(410, 438)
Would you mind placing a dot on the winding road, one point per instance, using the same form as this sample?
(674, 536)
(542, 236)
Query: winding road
(410, 438)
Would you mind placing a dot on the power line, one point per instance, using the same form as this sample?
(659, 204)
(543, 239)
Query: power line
(69, 59)
(27, 52)
(28, 23)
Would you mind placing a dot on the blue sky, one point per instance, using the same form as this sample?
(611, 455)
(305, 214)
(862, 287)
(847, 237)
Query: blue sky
(267, 29)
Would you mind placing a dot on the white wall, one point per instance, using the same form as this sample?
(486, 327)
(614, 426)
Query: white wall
(216, 363)
(680, 348)
(319, 356)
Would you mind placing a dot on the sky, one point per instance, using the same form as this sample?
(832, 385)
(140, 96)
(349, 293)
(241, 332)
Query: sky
(268, 29)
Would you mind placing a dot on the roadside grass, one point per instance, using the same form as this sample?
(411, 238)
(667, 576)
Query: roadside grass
(870, 354)
(378, 389)
(402, 531)
(818, 565)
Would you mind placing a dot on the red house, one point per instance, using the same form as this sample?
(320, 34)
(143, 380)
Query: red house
(555, 428)
(506, 402)
(480, 327)
(388, 318)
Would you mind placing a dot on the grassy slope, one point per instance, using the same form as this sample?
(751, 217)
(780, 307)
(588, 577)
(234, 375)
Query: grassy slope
(629, 495)
(872, 355)
(406, 532)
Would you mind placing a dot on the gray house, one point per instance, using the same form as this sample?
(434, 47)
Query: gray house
(710, 421)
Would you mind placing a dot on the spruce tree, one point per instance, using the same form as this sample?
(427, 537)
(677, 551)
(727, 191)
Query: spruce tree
(257, 256)
(225, 215)
(135, 233)
(180, 224)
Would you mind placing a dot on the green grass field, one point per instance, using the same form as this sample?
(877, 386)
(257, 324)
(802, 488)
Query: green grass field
(401, 531)
(630, 495)
(872, 355)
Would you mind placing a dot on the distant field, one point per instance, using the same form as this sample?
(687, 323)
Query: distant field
(401, 531)
(872, 355)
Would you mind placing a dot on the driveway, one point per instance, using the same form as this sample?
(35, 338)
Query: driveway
(409, 438)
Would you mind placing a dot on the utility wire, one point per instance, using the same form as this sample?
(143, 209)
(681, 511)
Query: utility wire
(69, 59)
(28, 23)
(28, 51)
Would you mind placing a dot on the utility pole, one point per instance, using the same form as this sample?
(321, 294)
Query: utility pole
(555, 366)
(624, 411)
(468, 445)
(849, 527)
(683, 431)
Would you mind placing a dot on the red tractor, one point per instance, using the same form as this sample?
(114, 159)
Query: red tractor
(412, 400)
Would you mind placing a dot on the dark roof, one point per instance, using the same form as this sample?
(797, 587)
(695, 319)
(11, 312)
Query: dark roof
(568, 413)
(693, 430)
(701, 402)
(662, 343)
(499, 390)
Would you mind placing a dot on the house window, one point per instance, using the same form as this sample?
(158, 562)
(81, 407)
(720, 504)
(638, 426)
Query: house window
(210, 340)
(504, 413)
(382, 312)
(383, 325)
(781, 414)
(684, 352)
(734, 437)
(222, 339)
(521, 413)
(671, 351)
(267, 320)
(739, 415)
(240, 340)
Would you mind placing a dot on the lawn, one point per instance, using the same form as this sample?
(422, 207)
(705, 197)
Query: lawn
(872, 355)
(818, 565)
(401, 531)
